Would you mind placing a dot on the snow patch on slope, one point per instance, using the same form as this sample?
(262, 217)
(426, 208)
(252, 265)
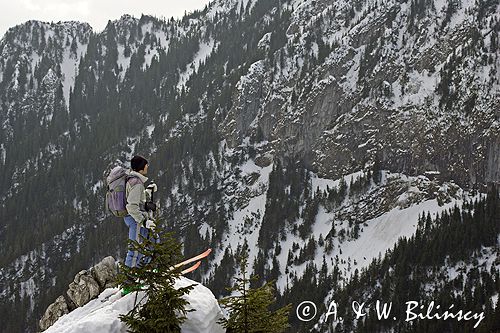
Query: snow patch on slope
(247, 219)
(225, 6)
(376, 235)
(206, 48)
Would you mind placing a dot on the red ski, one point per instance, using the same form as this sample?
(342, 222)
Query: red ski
(185, 271)
(183, 263)
(192, 268)
(195, 258)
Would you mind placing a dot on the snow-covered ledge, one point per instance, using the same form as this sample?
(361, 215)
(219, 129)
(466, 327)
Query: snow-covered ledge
(101, 315)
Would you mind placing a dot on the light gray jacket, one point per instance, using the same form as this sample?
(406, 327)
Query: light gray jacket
(136, 197)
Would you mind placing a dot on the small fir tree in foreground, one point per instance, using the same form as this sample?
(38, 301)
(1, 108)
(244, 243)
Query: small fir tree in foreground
(162, 307)
(249, 311)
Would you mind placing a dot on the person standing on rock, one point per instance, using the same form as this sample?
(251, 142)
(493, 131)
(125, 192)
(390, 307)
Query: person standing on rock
(138, 204)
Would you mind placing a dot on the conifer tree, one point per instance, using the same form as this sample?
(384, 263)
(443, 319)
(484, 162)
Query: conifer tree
(162, 308)
(249, 311)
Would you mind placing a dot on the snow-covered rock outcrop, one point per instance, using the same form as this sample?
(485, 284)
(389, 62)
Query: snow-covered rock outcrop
(87, 285)
(101, 315)
(93, 303)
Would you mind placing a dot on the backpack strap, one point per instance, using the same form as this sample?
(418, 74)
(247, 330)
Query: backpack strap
(134, 180)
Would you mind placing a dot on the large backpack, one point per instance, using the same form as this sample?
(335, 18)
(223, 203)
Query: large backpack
(116, 200)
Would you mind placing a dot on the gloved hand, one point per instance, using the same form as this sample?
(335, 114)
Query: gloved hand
(150, 206)
(152, 187)
(150, 224)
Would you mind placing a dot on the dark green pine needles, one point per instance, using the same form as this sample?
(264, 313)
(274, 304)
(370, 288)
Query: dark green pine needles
(163, 308)
(249, 311)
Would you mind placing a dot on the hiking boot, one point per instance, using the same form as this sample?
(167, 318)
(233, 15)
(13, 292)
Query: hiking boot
(130, 286)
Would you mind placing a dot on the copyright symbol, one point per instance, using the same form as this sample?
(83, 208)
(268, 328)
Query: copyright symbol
(306, 311)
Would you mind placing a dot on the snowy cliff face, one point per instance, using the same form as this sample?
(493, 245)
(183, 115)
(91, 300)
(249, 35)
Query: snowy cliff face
(38, 68)
(395, 81)
(316, 129)
(31, 49)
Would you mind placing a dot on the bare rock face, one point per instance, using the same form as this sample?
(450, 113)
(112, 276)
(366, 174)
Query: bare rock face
(246, 105)
(53, 312)
(87, 285)
(105, 273)
(83, 288)
(493, 166)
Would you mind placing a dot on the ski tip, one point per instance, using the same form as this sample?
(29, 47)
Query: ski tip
(192, 268)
